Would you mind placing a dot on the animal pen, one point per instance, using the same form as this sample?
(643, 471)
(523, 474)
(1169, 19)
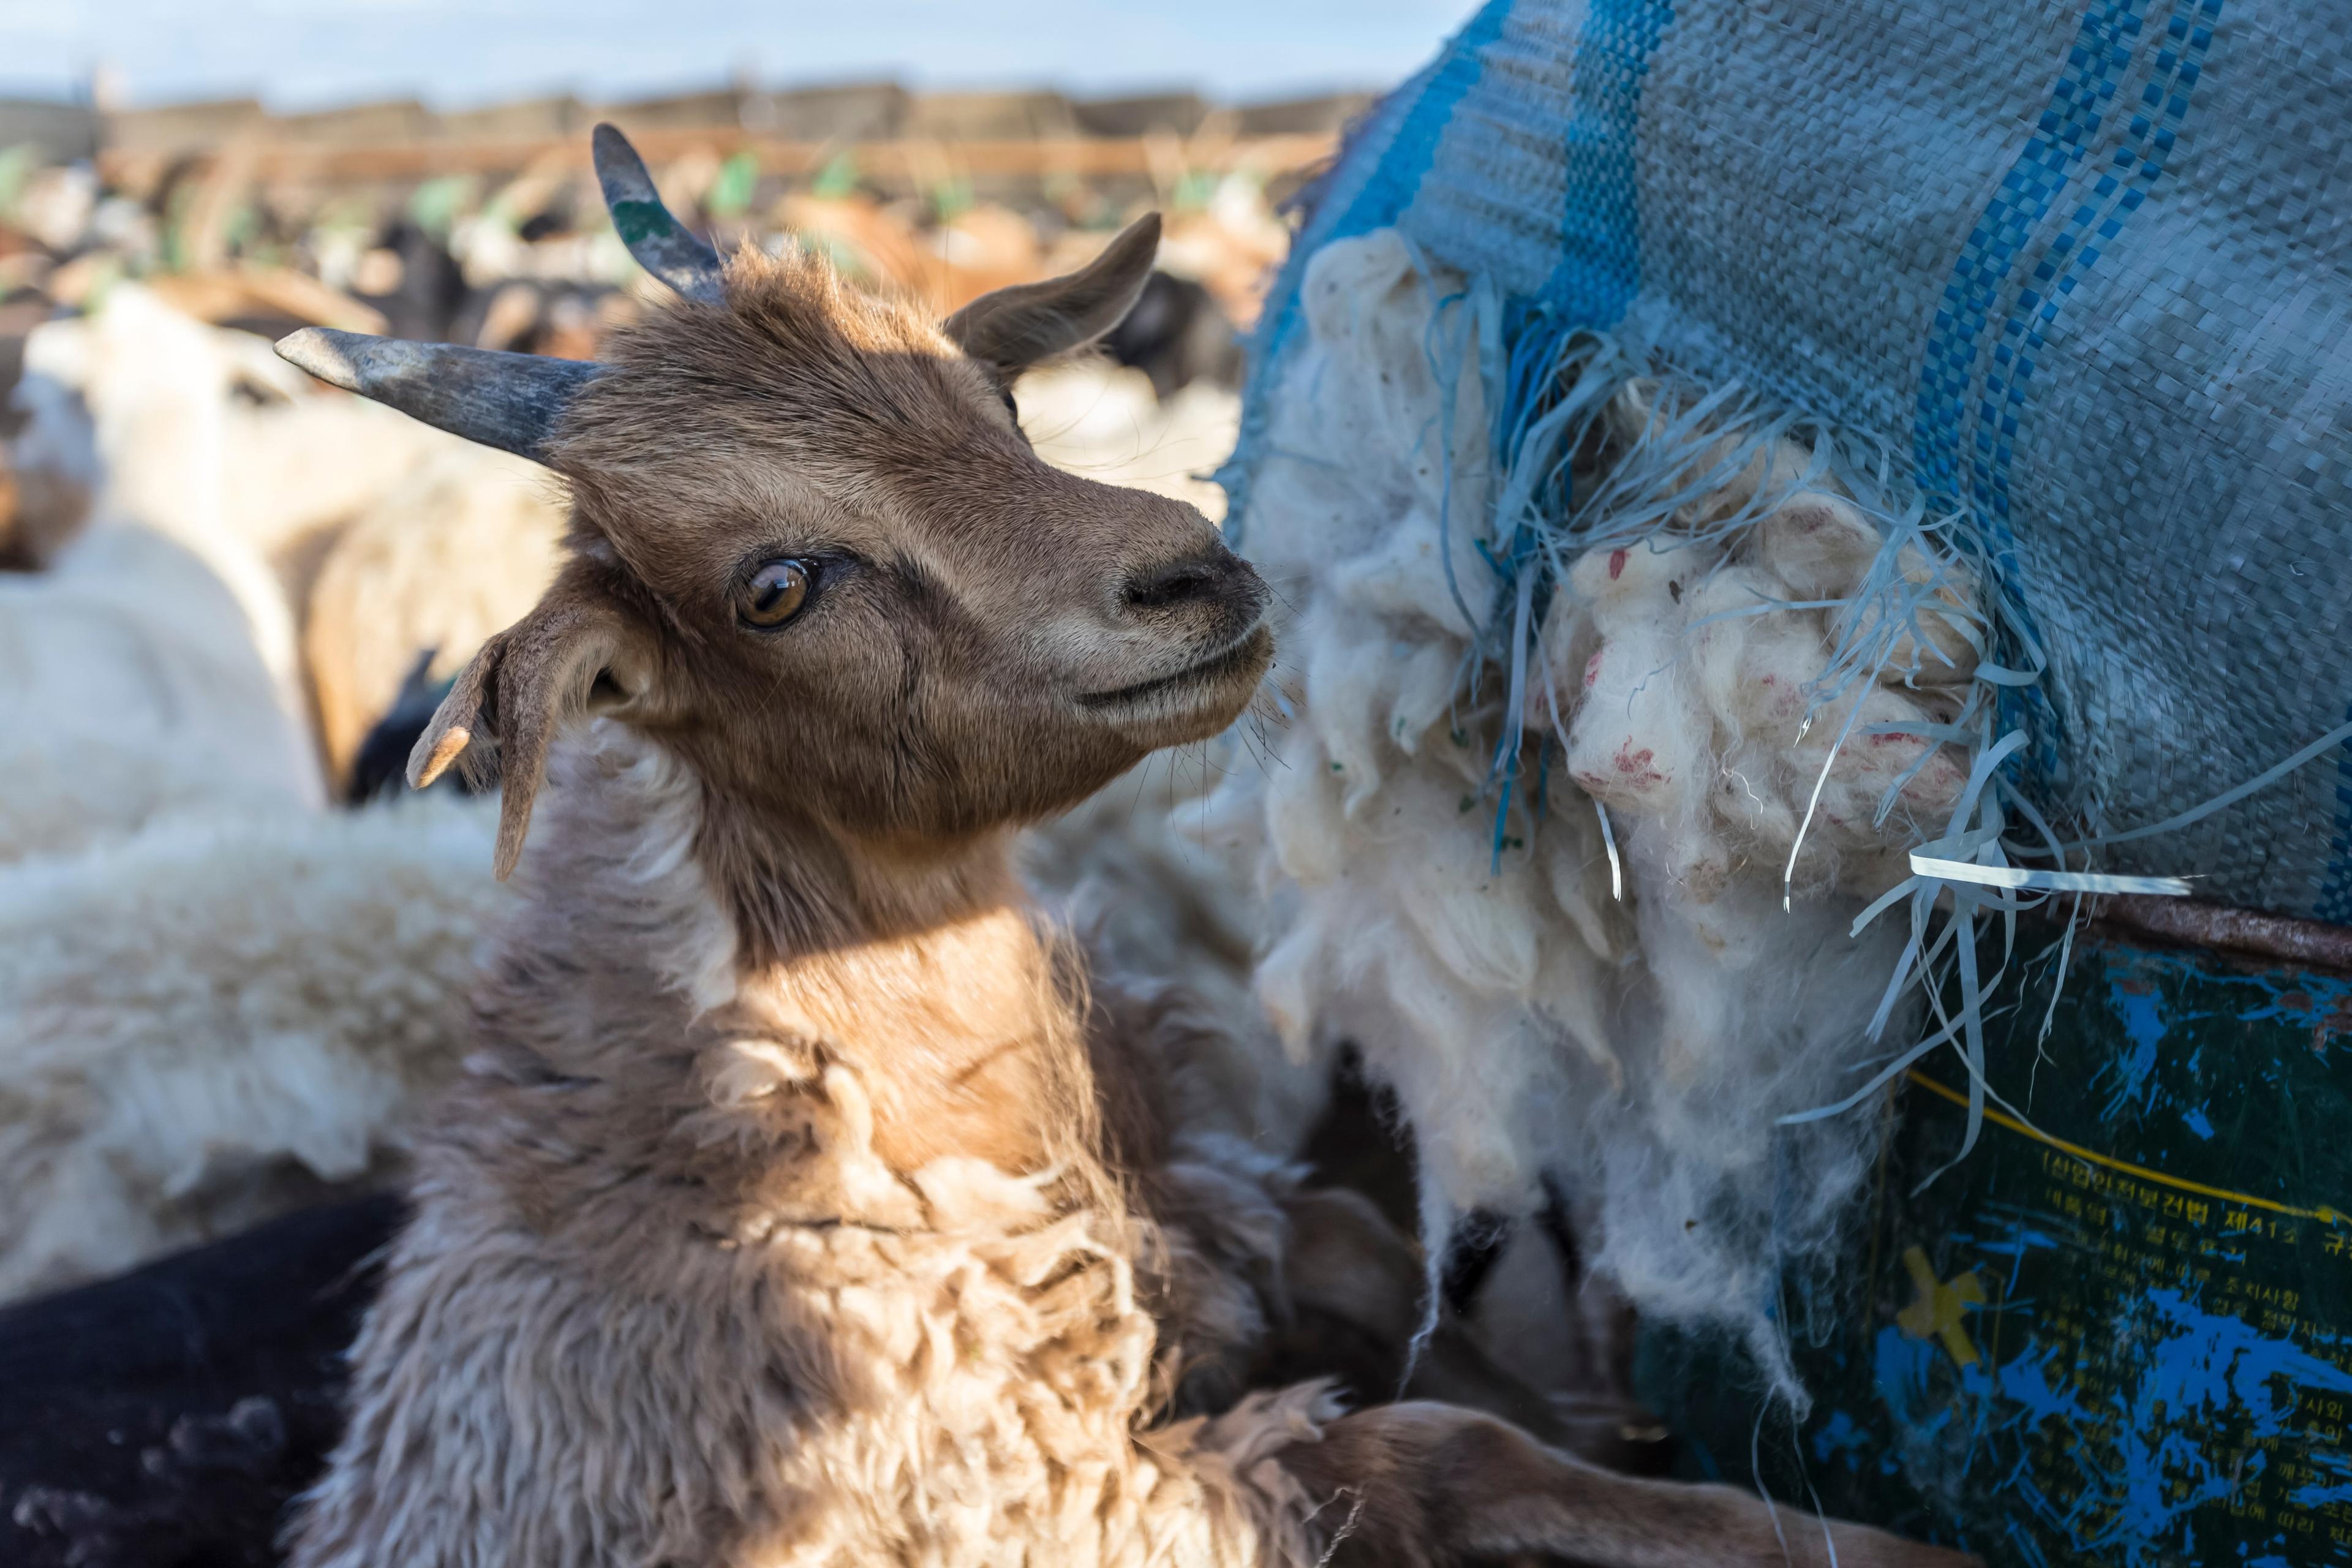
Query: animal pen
(1779, 918)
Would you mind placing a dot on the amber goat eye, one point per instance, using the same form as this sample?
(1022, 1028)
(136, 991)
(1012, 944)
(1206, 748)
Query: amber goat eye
(773, 594)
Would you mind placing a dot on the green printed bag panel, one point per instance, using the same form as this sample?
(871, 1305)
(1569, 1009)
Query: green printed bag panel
(2115, 1334)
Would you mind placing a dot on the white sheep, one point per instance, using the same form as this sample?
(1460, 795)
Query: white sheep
(216, 998)
(131, 689)
(220, 1017)
(198, 434)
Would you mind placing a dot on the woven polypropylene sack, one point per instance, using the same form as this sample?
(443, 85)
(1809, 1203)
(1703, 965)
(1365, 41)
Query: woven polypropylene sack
(2082, 270)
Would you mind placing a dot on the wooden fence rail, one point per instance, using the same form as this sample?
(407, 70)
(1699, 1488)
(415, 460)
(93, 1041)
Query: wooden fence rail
(911, 159)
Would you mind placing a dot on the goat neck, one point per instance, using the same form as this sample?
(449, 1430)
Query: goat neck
(914, 979)
(924, 967)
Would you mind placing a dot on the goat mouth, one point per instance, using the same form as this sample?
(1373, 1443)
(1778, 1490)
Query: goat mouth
(1234, 659)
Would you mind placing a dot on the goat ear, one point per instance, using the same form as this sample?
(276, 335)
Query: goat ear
(574, 654)
(1012, 329)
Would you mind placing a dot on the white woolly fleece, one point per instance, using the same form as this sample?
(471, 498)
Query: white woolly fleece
(1128, 872)
(128, 688)
(1639, 1051)
(212, 1020)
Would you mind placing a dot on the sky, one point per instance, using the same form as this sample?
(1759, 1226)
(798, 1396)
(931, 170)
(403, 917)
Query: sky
(299, 54)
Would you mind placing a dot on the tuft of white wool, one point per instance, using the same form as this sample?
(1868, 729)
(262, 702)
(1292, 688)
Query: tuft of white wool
(1130, 872)
(1639, 1052)
(1393, 926)
(211, 1021)
(129, 690)
(1695, 687)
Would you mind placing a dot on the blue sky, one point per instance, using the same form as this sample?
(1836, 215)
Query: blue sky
(304, 53)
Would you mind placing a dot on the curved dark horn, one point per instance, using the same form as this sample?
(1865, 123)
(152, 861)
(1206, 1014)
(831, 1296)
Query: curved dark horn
(663, 246)
(508, 401)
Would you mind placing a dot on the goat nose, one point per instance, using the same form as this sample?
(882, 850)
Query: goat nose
(1177, 584)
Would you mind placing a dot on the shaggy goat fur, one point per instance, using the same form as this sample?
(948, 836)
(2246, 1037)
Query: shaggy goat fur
(1640, 1052)
(878, 1362)
(1129, 871)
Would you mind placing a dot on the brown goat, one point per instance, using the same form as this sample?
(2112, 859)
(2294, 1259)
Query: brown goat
(785, 1216)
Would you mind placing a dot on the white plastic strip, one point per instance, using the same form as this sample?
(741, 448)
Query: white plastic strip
(2046, 881)
(1616, 866)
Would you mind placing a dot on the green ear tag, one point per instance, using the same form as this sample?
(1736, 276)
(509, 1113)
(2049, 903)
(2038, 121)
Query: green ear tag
(636, 222)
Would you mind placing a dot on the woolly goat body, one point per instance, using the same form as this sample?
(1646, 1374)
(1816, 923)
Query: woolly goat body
(837, 1364)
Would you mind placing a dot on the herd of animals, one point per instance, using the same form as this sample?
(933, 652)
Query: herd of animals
(828, 1122)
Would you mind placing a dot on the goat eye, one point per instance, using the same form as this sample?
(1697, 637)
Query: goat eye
(773, 594)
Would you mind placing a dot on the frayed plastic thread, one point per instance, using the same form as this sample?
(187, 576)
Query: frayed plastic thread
(1616, 866)
(1940, 870)
(1437, 1220)
(2047, 881)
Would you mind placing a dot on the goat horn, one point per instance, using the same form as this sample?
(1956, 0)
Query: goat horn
(508, 401)
(663, 246)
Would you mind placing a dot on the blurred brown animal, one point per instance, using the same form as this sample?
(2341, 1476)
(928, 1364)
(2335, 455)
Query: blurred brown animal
(40, 510)
(791, 1213)
(43, 502)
